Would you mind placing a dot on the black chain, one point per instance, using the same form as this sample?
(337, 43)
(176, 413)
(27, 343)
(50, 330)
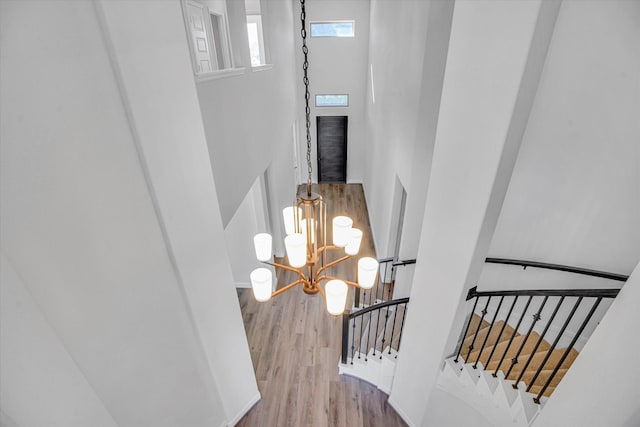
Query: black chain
(305, 79)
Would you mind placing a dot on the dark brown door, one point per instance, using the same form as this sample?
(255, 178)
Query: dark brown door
(332, 148)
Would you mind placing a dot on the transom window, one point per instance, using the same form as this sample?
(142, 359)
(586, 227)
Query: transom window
(334, 100)
(333, 29)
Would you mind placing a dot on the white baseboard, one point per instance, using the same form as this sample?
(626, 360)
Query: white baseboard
(244, 410)
(243, 285)
(400, 412)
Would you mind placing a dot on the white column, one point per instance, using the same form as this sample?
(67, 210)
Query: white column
(174, 153)
(490, 81)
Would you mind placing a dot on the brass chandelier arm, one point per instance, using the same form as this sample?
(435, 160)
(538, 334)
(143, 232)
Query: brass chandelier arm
(286, 267)
(332, 263)
(348, 282)
(287, 287)
(329, 248)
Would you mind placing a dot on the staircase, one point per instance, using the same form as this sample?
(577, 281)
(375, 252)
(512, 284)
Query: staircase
(507, 373)
(372, 330)
(373, 340)
(515, 349)
(487, 378)
(506, 344)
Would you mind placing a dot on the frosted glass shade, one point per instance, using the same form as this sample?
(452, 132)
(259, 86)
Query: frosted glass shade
(353, 247)
(261, 282)
(288, 214)
(262, 245)
(336, 293)
(341, 230)
(303, 227)
(296, 246)
(367, 271)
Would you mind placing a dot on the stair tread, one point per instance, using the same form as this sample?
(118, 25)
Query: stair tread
(494, 338)
(513, 350)
(544, 376)
(473, 325)
(537, 360)
(536, 389)
(507, 345)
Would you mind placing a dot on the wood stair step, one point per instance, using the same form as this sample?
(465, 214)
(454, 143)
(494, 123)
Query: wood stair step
(543, 376)
(536, 389)
(537, 359)
(492, 341)
(513, 350)
(475, 320)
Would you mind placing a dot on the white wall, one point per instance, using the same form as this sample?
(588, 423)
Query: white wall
(575, 194)
(110, 215)
(396, 55)
(36, 367)
(445, 410)
(336, 65)
(183, 188)
(248, 117)
(239, 235)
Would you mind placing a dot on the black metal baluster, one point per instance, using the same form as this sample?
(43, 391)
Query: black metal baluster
(515, 331)
(345, 336)
(540, 339)
(568, 350)
(360, 340)
(555, 342)
(384, 331)
(466, 329)
(391, 281)
(356, 301)
(506, 321)
(379, 280)
(353, 340)
(366, 355)
(404, 316)
(393, 328)
(380, 289)
(536, 317)
(484, 313)
(495, 315)
(375, 340)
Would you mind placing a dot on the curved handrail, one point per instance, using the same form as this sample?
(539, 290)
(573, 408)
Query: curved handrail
(404, 262)
(377, 306)
(558, 267)
(603, 293)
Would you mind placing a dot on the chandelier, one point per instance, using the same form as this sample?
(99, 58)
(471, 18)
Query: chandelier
(306, 242)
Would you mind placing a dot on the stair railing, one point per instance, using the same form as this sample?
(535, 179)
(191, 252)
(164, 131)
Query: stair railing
(562, 295)
(361, 335)
(383, 289)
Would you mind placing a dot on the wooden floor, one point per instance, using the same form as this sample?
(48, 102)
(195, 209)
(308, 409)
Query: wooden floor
(295, 347)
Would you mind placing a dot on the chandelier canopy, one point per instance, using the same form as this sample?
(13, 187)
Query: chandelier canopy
(306, 241)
